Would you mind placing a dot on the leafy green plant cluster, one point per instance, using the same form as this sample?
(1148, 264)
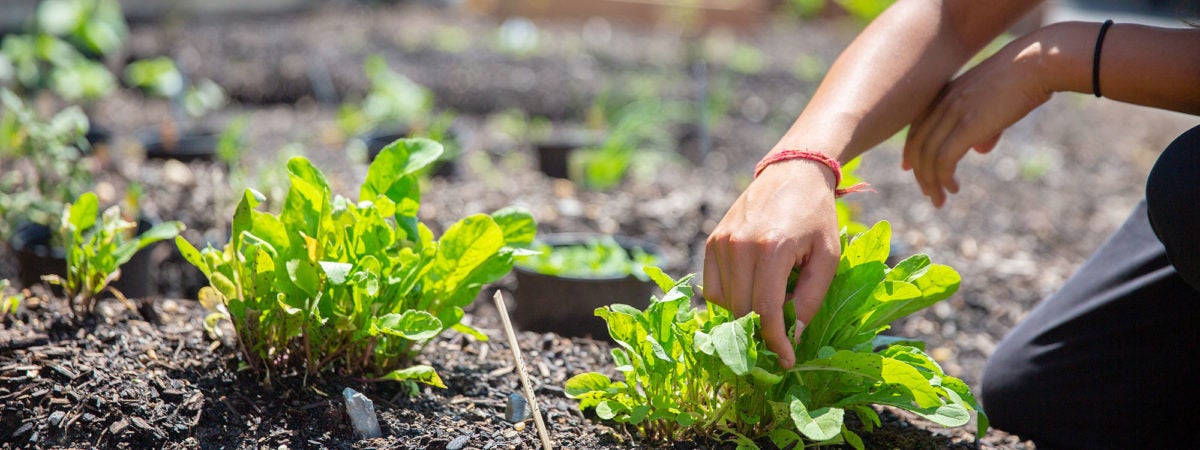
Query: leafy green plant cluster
(59, 52)
(600, 257)
(45, 165)
(357, 287)
(161, 77)
(692, 372)
(96, 249)
(633, 132)
(392, 98)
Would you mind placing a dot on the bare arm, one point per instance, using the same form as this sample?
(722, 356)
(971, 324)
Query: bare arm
(887, 77)
(1142, 65)
(894, 70)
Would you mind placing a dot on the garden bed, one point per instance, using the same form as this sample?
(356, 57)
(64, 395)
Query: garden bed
(151, 377)
(1028, 215)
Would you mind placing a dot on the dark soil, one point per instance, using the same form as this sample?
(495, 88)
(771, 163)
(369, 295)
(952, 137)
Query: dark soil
(150, 377)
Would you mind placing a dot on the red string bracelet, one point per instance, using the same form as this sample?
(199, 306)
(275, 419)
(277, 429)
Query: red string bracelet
(832, 164)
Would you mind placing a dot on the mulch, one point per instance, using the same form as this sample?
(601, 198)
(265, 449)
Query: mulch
(150, 377)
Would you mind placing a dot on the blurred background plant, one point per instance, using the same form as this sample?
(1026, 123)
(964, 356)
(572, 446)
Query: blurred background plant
(636, 134)
(64, 50)
(45, 163)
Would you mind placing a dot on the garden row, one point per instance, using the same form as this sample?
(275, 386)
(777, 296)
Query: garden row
(318, 286)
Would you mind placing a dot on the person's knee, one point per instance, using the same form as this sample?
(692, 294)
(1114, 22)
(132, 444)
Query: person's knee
(1173, 201)
(999, 390)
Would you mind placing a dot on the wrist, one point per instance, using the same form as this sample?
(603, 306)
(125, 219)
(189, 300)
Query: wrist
(834, 168)
(1065, 52)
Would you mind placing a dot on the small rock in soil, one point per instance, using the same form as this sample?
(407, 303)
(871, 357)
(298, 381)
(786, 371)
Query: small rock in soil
(362, 414)
(458, 443)
(517, 409)
(56, 418)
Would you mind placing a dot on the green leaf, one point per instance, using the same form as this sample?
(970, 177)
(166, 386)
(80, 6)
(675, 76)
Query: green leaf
(82, 214)
(336, 272)
(192, 255)
(732, 343)
(421, 373)
(414, 325)
(820, 424)
(469, 331)
(397, 161)
(466, 245)
(870, 246)
(783, 437)
(518, 225)
(660, 278)
(160, 232)
(586, 383)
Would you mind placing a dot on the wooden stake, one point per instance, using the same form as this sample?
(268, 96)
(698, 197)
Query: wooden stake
(524, 374)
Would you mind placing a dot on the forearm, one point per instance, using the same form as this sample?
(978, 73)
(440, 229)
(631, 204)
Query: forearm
(894, 70)
(1142, 65)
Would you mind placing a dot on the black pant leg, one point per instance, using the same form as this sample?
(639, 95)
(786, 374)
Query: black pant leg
(1105, 363)
(1173, 197)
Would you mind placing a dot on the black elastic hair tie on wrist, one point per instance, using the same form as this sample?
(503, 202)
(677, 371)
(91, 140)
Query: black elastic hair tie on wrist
(1096, 57)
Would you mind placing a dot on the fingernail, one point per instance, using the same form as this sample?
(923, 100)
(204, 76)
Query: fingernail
(799, 329)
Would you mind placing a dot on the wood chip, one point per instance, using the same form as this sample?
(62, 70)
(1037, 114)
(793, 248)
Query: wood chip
(501, 371)
(118, 426)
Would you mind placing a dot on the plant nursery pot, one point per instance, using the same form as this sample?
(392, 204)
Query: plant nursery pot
(554, 153)
(36, 257)
(566, 305)
(195, 145)
(377, 140)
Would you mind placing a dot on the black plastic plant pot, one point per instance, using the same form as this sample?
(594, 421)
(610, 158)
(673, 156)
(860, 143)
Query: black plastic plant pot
(37, 257)
(554, 153)
(377, 140)
(195, 145)
(566, 304)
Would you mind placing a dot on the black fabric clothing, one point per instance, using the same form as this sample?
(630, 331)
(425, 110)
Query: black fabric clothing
(1106, 362)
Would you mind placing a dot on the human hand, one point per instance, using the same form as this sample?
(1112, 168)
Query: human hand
(786, 218)
(971, 112)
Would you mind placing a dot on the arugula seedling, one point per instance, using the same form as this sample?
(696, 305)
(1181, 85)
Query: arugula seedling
(599, 257)
(97, 249)
(699, 372)
(356, 287)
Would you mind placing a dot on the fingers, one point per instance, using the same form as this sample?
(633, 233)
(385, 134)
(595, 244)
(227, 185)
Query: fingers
(770, 291)
(926, 167)
(711, 290)
(738, 277)
(813, 282)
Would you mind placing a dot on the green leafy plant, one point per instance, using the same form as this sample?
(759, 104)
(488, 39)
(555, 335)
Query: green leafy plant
(35, 62)
(392, 99)
(356, 287)
(634, 132)
(96, 27)
(61, 50)
(9, 302)
(96, 249)
(161, 77)
(44, 161)
(600, 257)
(692, 372)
